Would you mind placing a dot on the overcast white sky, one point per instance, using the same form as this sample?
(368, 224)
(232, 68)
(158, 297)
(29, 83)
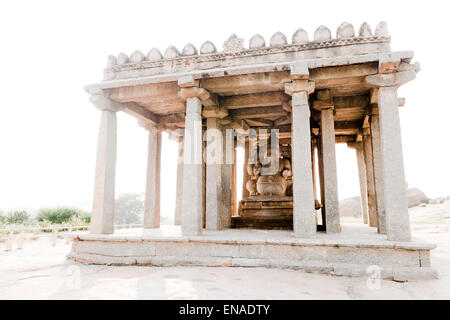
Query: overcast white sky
(51, 49)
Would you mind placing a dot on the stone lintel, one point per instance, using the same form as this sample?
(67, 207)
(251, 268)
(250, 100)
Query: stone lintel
(207, 98)
(103, 103)
(298, 86)
(354, 145)
(150, 126)
(392, 79)
(299, 70)
(322, 105)
(214, 112)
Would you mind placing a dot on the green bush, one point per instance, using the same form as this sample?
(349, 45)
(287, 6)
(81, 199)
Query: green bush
(2, 217)
(61, 215)
(17, 217)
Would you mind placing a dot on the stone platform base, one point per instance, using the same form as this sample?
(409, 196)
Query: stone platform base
(264, 212)
(364, 255)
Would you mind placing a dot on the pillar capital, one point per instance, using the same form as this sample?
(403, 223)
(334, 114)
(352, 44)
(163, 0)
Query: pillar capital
(323, 105)
(296, 86)
(214, 112)
(395, 79)
(355, 145)
(101, 102)
(150, 126)
(190, 88)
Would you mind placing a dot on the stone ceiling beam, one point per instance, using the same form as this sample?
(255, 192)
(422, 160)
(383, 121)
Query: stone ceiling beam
(265, 99)
(140, 112)
(258, 112)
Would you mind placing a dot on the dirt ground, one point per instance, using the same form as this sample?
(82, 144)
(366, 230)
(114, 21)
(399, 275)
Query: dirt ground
(41, 271)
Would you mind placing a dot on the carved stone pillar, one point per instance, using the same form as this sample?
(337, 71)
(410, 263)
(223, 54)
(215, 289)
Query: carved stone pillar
(378, 169)
(179, 190)
(371, 193)
(102, 221)
(395, 197)
(303, 194)
(153, 183)
(328, 140)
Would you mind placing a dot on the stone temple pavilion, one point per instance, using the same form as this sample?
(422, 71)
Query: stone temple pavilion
(287, 104)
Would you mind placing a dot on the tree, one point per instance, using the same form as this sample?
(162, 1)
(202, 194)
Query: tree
(17, 217)
(129, 208)
(62, 215)
(2, 217)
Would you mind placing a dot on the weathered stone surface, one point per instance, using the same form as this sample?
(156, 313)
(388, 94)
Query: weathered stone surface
(208, 47)
(396, 201)
(191, 221)
(137, 56)
(278, 40)
(154, 55)
(111, 61)
(381, 30)
(179, 188)
(300, 36)
(331, 201)
(347, 259)
(365, 30)
(153, 181)
(345, 30)
(257, 41)
(304, 220)
(171, 53)
(233, 44)
(378, 171)
(122, 58)
(322, 33)
(189, 50)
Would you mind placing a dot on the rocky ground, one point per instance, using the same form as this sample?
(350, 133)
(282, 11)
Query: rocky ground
(40, 271)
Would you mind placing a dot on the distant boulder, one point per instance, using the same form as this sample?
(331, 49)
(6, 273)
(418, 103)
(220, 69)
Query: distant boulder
(416, 197)
(351, 207)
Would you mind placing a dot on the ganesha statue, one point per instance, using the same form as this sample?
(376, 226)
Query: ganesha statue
(277, 184)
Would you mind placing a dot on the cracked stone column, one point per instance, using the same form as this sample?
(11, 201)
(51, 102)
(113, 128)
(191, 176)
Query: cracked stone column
(179, 189)
(328, 145)
(378, 169)
(370, 176)
(218, 176)
(153, 182)
(303, 194)
(102, 221)
(395, 201)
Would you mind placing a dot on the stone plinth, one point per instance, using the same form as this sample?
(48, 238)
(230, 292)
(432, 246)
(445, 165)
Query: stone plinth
(348, 255)
(266, 206)
(265, 212)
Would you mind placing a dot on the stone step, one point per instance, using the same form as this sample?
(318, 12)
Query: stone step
(262, 222)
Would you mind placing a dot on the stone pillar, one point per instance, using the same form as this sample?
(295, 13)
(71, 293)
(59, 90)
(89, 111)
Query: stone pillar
(233, 184)
(378, 170)
(321, 183)
(102, 221)
(179, 190)
(303, 194)
(191, 215)
(153, 183)
(245, 192)
(218, 178)
(371, 194)
(328, 141)
(395, 197)
(362, 181)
